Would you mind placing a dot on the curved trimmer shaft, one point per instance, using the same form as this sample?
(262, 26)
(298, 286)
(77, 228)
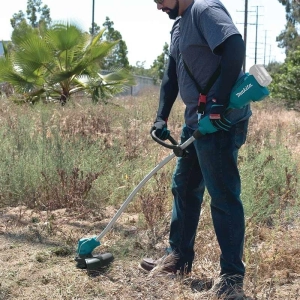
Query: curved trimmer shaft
(87, 245)
(146, 178)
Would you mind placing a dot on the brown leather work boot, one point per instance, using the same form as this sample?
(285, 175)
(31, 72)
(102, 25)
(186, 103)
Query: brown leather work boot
(229, 288)
(167, 263)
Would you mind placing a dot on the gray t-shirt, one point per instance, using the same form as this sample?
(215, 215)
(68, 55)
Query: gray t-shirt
(204, 25)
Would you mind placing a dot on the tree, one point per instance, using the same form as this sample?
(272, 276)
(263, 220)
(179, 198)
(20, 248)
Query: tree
(159, 65)
(139, 69)
(289, 37)
(35, 14)
(38, 17)
(96, 29)
(118, 56)
(58, 62)
(273, 67)
(286, 78)
(17, 19)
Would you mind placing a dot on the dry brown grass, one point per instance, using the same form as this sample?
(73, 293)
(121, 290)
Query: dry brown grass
(269, 120)
(38, 261)
(37, 248)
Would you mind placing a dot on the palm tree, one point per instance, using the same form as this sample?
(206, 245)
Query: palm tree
(57, 62)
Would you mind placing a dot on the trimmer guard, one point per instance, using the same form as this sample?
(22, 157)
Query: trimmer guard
(87, 245)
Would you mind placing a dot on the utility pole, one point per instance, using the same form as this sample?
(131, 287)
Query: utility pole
(256, 24)
(245, 33)
(93, 15)
(246, 12)
(256, 35)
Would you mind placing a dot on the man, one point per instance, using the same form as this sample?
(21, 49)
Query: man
(203, 39)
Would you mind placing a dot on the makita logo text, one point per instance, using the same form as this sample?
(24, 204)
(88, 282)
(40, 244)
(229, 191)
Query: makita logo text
(245, 89)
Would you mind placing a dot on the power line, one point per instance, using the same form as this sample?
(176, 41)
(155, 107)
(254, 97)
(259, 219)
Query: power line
(245, 31)
(93, 18)
(246, 23)
(256, 35)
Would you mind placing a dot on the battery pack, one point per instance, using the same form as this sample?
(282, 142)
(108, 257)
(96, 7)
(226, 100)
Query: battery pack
(246, 90)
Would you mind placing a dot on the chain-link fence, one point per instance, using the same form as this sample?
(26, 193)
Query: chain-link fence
(141, 83)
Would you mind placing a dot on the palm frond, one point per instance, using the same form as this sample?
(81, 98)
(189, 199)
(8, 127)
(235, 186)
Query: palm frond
(121, 75)
(97, 37)
(100, 51)
(5, 66)
(34, 49)
(62, 60)
(64, 36)
(21, 84)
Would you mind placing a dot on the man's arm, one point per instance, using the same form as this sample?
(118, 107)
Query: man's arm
(232, 52)
(168, 91)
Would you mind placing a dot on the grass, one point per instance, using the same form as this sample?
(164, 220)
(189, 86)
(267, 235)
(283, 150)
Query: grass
(64, 172)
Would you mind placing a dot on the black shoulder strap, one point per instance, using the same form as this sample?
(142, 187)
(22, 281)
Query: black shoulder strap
(203, 92)
(210, 82)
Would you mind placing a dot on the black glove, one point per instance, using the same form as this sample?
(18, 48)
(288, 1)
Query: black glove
(161, 130)
(217, 117)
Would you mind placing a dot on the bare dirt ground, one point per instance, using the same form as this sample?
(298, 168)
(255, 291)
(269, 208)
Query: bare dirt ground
(37, 251)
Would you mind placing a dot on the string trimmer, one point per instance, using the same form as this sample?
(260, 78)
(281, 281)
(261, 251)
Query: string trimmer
(250, 87)
(85, 259)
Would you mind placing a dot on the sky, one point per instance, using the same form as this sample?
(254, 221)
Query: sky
(145, 29)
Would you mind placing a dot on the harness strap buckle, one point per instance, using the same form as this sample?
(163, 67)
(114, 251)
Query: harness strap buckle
(201, 104)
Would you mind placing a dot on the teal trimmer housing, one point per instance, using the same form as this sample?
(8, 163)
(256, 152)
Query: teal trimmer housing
(245, 90)
(251, 87)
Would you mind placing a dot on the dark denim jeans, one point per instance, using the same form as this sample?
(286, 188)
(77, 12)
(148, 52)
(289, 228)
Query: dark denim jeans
(211, 164)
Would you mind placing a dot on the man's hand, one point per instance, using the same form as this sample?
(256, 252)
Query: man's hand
(161, 130)
(217, 117)
(215, 121)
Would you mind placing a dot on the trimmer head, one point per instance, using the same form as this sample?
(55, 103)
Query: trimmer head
(94, 262)
(87, 245)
